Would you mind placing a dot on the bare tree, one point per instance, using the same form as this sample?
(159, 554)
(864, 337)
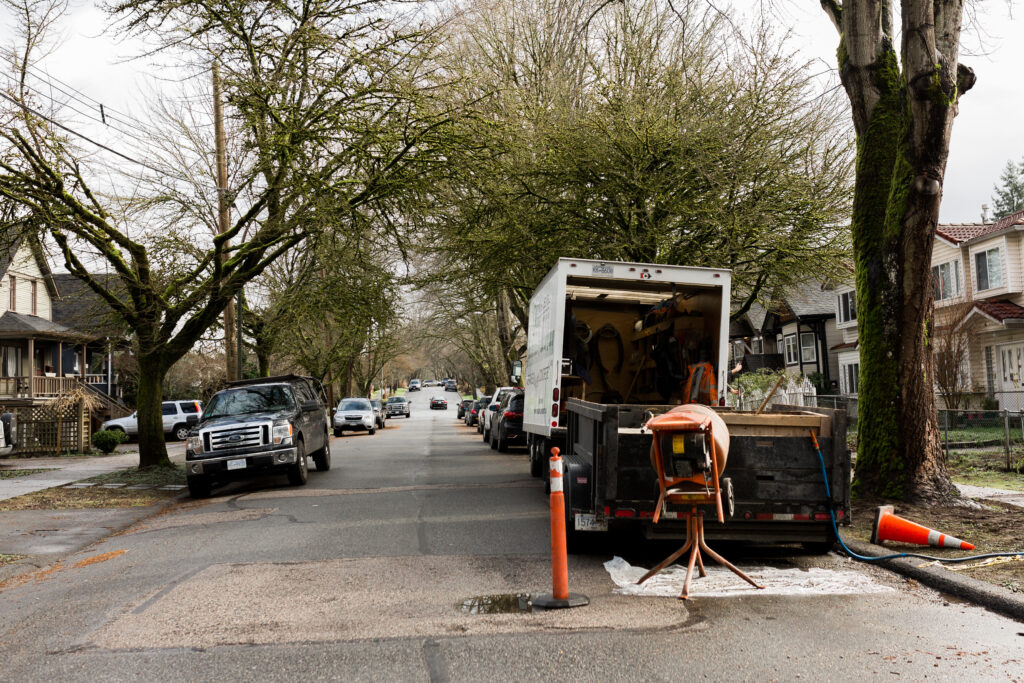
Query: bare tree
(951, 338)
(334, 128)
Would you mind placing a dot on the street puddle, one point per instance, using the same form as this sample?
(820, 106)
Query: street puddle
(502, 603)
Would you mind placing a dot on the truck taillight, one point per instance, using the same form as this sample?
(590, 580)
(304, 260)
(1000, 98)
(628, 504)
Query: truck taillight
(721, 402)
(554, 395)
(554, 410)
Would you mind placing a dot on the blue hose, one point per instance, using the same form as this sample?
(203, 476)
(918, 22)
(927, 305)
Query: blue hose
(869, 558)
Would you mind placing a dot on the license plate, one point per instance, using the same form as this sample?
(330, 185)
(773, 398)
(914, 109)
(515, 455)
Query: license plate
(236, 464)
(588, 522)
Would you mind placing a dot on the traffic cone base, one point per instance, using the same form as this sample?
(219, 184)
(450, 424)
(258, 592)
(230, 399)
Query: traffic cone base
(892, 527)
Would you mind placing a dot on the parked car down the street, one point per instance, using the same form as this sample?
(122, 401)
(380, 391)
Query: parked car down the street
(355, 414)
(464, 405)
(265, 426)
(398, 405)
(507, 429)
(438, 403)
(486, 418)
(178, 417)
(414, 385)
(473, 412)
(378, 411)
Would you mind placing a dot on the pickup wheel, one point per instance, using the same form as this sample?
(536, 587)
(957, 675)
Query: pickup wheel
(181, 432)
(486, 435)
(373, 430)
(298, 474)
(322, 458)
(199, 486)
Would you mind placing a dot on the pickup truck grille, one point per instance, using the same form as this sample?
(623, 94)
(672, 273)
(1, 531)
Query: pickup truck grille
(236, 437)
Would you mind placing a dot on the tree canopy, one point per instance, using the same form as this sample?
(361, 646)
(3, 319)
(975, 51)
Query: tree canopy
(635, 133)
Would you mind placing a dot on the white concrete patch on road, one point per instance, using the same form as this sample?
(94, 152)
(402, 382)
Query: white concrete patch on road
(720, 582)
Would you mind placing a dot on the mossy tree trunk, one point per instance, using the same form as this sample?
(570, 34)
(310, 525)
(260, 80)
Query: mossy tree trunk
(903, 107)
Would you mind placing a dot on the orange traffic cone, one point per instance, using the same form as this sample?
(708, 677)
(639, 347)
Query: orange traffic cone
(890, 527)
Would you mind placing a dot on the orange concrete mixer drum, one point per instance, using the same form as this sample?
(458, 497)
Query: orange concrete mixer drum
(682, 435)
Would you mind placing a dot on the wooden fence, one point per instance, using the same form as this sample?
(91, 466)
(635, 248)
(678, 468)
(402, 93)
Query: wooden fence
(43, 430)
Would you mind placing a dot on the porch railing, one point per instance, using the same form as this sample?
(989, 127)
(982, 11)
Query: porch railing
(41, 387)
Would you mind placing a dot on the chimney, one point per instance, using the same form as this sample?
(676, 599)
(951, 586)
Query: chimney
(984, 213)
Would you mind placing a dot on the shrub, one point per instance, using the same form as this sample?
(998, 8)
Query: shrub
(108, 439)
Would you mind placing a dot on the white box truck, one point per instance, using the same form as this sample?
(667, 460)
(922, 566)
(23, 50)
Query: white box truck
(612, 343)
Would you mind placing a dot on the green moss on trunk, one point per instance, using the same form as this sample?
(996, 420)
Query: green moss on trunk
(880, 201)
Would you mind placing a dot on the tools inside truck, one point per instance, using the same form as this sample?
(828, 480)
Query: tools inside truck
(630, 352)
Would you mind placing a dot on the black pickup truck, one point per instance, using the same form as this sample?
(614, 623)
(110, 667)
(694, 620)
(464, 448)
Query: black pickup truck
(270, 425)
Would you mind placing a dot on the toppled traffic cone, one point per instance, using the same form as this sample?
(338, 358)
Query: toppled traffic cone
(890, 527)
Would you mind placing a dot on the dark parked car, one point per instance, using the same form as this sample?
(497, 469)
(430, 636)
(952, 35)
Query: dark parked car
(398, 405)
(464, 405)
(473, 412)
(451, 385)
(269, 425)
(438, 403)
(507, 423)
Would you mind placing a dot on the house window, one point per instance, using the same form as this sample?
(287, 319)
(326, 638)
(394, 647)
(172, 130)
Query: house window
(790, 345)
(847, 308)
(35, 295)
(10, 361)
(757, 345)
(946, 280)
(989, 267)
(851, 378)
(14, 294)
(808, 347)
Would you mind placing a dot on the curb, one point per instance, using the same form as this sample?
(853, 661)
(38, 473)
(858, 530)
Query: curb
(981, 593)
(32, 563)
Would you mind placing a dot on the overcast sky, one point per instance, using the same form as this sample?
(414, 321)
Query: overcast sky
(987, 133)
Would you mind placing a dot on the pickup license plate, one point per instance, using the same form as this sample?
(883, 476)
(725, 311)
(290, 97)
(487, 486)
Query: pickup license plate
(588, 522)
(236, 464)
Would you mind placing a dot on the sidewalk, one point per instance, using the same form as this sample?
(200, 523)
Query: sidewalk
(64, 471)
(998, 495)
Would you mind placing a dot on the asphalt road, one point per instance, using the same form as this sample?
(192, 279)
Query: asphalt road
(361, 574)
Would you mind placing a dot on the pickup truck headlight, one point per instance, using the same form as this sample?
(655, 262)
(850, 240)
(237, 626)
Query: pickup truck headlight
(282, 433)
(194, 444)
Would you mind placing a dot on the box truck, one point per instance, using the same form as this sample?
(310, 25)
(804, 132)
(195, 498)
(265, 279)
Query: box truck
(611, 344)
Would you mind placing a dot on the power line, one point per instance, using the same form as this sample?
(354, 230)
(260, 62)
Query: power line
(49, 80)
(76, 133)
(143, 143)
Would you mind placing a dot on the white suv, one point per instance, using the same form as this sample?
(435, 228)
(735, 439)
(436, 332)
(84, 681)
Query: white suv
(179, 417)
(492, 407)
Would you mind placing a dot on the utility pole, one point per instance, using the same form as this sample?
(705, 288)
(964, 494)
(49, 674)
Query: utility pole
(223, 219)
